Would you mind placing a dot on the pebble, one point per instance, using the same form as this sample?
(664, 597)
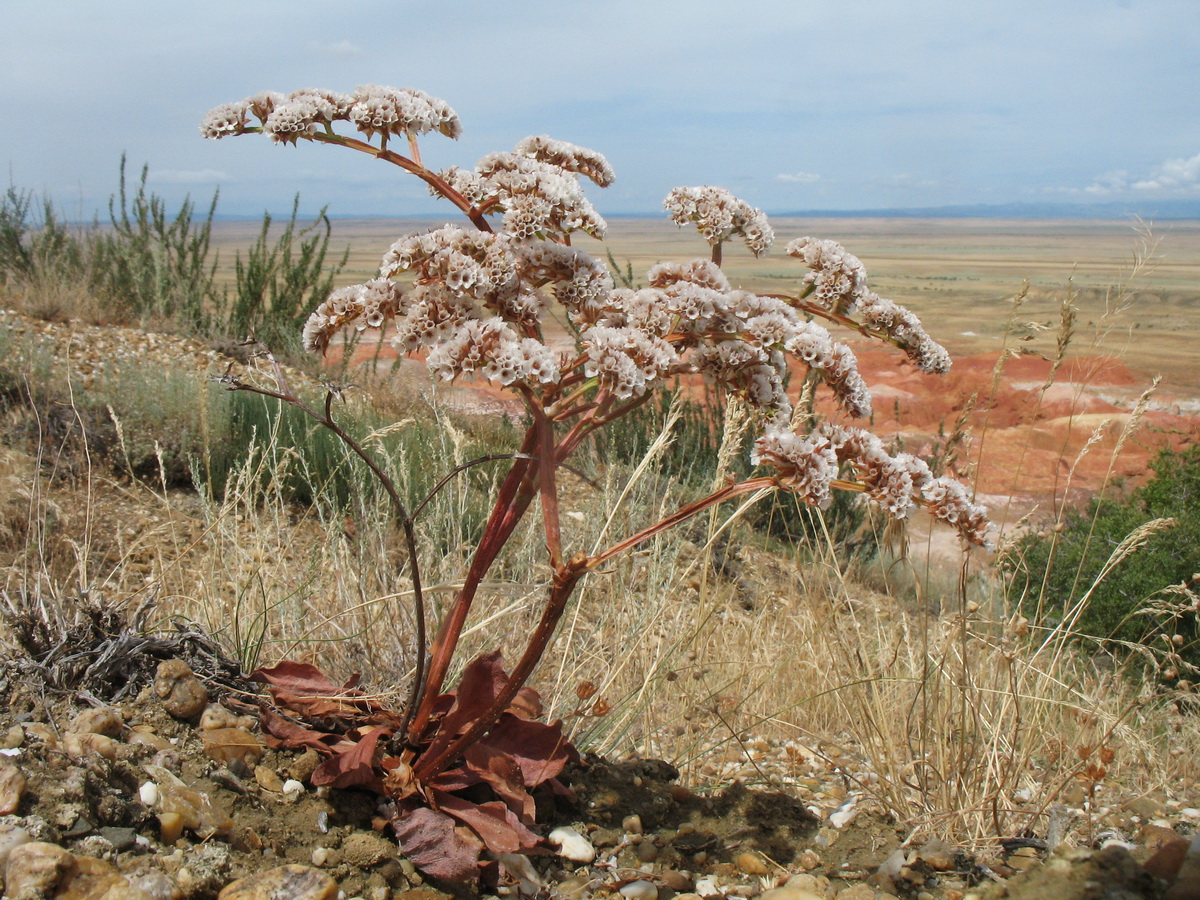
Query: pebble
(148, 739)
(194, 811)
(12, 787)
(364, 849)
(35, 869)
(80, 746)
(217, 716)
(790, 893)
(647, 852)
(292, 786)
(268, 780)
(750, 864)
(304, 765)
(233, 746)
(181, 692)
(937, 854)
(11, 837)
(632, 824)
(572, 845)
(13, 738)
(104, 720)
(293, 882)
(640, 890)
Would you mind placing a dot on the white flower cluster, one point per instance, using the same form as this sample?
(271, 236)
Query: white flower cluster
(536, 187)
(838, 283)
(838, 278)
(627, 361)
(492, 348)
(372, 110)
(897, 483)
(719, 215)
(568, 157)
(363, 305)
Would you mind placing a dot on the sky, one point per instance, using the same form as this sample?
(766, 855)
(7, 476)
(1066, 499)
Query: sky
(790, 104)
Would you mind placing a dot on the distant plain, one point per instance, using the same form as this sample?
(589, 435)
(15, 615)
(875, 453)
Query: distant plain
(957, 275)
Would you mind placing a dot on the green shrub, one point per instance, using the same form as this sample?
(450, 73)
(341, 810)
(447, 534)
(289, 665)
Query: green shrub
(1056, 567)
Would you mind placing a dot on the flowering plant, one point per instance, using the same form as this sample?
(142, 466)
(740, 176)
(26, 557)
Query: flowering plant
(474, 300)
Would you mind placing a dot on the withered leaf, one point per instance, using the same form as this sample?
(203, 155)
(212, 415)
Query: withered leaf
(481, 683)
(353, 767)
(540, 749)
(435, 846)
(501, 772)
(279, 732)
(496, 825)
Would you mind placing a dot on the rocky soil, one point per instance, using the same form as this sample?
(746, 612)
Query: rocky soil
(171, 791)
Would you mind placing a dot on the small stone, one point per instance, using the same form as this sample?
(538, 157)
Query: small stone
(105, 720)
(11, 837)
(89, 745)
(120, 838)
(304, 765)
(750, 864)
(857, 892)
(292, 786)
(677, 881)
(1024, 858)
(325, 857)
(647, 851)
(154, 885)
(1155, 837)
(34, 870)
(196, 812)
(12, 787)
(364, 849)
(148, 739)
(632, 824)
(640, 890)
(294, 882)
(170, 827)
(790, 893)
(572, 845)
(233, 746)
(937, 854)
(148, 793)
(180, 691)
(13, 738)
(268, 780)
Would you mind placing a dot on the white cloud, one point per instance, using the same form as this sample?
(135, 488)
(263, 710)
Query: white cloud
(340, 49)
(1173, 175)
(188, 176)
(798, 177)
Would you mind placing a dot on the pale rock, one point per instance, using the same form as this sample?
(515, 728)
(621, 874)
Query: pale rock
(88, 745)
(195, 809)
(11, 837)
(181, 692)
(292, 786)
(294, 882)
(937, 854)
(365, 849)
(519, 866)
(233, 746)
(640, 890)
(706, 887)
(844, 814)
(12, 786)
(572, 845)
(148, 794)
(154, 885)
(35, 870)
(892, 865)
(105, 720)
(632, 824)
(750, 864)
(13, 738)
(217, 716)
(205, 869)
(790, 893)
(859, 892)
(268, 780)
(148, 739)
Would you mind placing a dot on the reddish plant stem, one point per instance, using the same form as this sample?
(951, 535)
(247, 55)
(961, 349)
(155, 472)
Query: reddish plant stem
(565, 579)
(516, 493)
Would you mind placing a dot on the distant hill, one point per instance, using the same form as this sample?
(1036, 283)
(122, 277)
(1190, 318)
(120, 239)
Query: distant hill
(1146, 209)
